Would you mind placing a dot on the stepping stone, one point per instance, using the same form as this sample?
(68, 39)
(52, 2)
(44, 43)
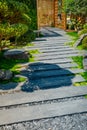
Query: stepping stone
(56, 56)
(52, 82)
(30, 113)
(47, 47)
(58, 50)
(63, 60)
(41, 95)
(57, 53)
(39, 67)
(51, 73)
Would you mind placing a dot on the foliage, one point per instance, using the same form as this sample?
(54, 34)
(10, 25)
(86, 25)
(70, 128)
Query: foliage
(14, 20)
(76, 7)
(85, 26)
(27, 37)
(32, 12)
(79, 61)
(77, 10)
(14, 65)
(18, 79)
(74, 36)
(84, 43)
(83, 31)
(75, 25)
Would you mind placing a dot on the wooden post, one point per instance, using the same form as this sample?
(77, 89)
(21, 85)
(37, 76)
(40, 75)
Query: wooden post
(63, 18)
(56, 13)
(37, 16)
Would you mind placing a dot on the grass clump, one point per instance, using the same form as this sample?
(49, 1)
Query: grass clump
(74, 36)
(79, 61)
(86, 96)
(80, 83)
(34, 52)
(18, 79)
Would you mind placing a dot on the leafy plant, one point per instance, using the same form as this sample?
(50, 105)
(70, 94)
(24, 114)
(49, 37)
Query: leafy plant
(79, 61)
(85, 26)
(14, 20)
(83, 31)
(84, 43)
(27, 37)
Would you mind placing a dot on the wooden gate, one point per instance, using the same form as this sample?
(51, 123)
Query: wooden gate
(45, 13)
(48, 14)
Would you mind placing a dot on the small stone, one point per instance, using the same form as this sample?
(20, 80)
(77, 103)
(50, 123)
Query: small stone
(5, 74)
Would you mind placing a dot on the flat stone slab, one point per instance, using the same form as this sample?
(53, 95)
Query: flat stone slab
(56, 50)
(41, 95)
(51, 73)
(47, 47)
(57, 53)
(51, 48)
(52, 82)
(41, 67)
(22, 114)
(53, 61)
(57, 56)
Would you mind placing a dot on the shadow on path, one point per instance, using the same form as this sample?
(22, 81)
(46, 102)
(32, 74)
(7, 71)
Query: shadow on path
(49, 32)
(45, 76)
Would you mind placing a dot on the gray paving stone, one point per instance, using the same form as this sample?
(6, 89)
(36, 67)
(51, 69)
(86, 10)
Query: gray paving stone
(51, 73)
(52, 82)
(50, 45)
(42, 111)
(56, 49)
(57, 56)
(56, 60)
(57, 53)
(39, 67)
(41, 95)
(47, 47)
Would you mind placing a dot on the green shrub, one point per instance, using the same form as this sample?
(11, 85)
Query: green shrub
(85, 26)
(8, 31)
(14, 20)
(84, 43)
(83, 31)
(27, 37)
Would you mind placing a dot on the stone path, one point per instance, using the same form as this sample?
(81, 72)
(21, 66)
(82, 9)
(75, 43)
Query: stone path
(49, 91)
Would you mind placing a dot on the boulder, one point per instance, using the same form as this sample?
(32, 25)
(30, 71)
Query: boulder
(5, 75)
(16, 54)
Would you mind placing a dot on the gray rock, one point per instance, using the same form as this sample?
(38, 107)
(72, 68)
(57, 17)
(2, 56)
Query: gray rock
(5, 74)
(16, 54)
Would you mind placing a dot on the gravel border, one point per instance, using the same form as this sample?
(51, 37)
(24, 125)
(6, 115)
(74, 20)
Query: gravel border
(69, 122)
